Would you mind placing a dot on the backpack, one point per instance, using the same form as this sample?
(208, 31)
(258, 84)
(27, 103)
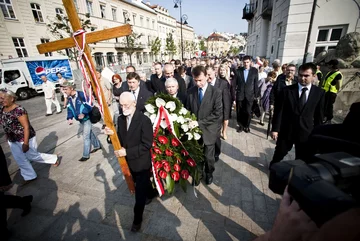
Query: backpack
(94, 114)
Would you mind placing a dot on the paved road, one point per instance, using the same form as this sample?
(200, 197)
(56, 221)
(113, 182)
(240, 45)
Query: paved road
(90, 201)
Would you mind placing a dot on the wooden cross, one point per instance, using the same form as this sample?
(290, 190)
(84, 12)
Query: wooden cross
(93, 37)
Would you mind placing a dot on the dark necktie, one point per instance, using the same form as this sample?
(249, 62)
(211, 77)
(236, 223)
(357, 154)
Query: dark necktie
(303, 98)
(134, 95)
(200, 95)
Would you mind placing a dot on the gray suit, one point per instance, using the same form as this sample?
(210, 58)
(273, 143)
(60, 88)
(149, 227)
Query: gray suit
(209, 115)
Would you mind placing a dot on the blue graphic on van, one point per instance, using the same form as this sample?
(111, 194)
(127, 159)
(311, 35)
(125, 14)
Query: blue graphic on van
(49, 68)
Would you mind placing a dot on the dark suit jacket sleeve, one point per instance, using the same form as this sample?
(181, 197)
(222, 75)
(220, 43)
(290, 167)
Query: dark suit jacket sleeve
(256, 84)
(319, 111)
(226, 98)
(278, 112)
(272, 93)
(217, 112)
(237, 85)
(233, 88)
(146, 140)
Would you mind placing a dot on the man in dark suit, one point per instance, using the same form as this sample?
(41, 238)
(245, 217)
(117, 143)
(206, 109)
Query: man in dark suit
(246, 92)
(158, 85)
(205, 101)
(172, 88)
(140, 92)
(298, 109)
(223, 86)
(136, 137)
(156, 78)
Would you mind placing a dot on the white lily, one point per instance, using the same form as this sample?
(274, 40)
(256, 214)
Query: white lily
(150, 108)
(163, 124)
(190, 136)
(185, 127)
(183, 111)
(193, 124)
(160, 102)
(174, 117)
(152, 118)
(197, 136)
(170, 106)
(180, 120)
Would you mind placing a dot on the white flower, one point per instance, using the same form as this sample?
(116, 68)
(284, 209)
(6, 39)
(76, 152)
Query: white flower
(163, 124)
(190, 136)
(170, 106)
(183, 111)
(147, 114)
(197, 136)
(152, 118)
(150, 108)
(180, 120)
(193, 124)
(174, 117)
(160, 102)
(185, 127)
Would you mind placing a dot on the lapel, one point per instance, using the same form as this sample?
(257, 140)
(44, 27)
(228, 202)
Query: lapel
(242, 74)
(295, 94)
(311, 98)
(207, 96)
(134, 123)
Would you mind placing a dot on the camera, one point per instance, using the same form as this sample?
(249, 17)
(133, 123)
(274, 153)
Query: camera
(324, 186)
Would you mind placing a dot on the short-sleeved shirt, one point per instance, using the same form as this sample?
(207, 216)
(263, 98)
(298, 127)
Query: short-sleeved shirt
(12, 127)
(48, 89)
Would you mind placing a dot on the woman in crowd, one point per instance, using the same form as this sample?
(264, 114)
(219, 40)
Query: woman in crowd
(227, 112)
(21, 137)
(265, 87)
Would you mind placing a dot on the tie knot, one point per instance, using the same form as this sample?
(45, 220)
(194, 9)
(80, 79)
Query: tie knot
(200, 89)
(304, 89)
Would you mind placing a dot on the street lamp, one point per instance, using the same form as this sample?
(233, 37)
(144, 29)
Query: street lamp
(126, 20)
(183, 19)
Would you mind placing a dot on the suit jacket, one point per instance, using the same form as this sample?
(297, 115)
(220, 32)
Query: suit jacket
(247, 90)
(158, 85)
(137, 141)
(278, 86)
(209, 113)
(224, 86)
(143, 96)
(293, 123)
(181, 97)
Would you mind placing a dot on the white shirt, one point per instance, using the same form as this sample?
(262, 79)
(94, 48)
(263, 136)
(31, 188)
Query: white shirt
(203, 89)
(49, 89)
(175, 95)
(213, 82)
(136, 93)
(307, 92)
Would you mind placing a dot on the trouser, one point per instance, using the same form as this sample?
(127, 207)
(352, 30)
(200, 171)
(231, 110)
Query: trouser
(262, 116)
(209, 153)
(243, 113)
(284, 146)
(329, 105)
(217, 147)
(50, 101)
(89, 138)
(8, 201)
(142, 191)
(5, 179)
(23, 159)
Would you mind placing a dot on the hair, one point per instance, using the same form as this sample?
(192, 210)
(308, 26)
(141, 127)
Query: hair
(181, 69)
(247, 57)
(177, 62)
(172, 60)
(141, 74)
(9, 93)
(158, 63)
(284, 66)
(224, 61)
(291, 65)
(133, 75)
(116, 76)
(272, 74)
(131, 66)
(58, 73)
(197, 70)
(307, 66)
(222, 66)
(127, 95)
(266, 63)
(171, 80)
(207, 67)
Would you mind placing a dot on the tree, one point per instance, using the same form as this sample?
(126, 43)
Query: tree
(60, 28)
(234, 50)
(132, 44)
(202, 46)
(170, 45)
(155, 46)
(193, 48)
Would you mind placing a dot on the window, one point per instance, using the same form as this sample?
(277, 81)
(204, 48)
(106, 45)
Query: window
(59, 11)
(20, 47)
(328, 37)
(98, 60)
(110, 58)
(7, 9)
(76, 5)
(120, 57)
(113, 11)
(45, 40)
(102, 10)
(145, 57)
(134, 18)
(89, 7)
(141, 21)
(153, 24)
(148, 23)
(10, 75)
(36, 10)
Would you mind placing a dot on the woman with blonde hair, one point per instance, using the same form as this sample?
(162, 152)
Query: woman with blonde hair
(227, 107)
(21, 137)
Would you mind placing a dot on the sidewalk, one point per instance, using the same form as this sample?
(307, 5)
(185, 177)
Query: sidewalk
(90, 201)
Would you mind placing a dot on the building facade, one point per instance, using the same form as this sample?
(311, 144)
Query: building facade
(190, 46)
(278, 29)
(217, 45)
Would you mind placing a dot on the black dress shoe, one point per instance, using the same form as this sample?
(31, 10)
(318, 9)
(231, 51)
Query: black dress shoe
(135, 227)
(247, 130)
(27, 205)
(148, 201)
(216, 159)
(95, 150)
(83, 159)
(239, 129)
(209, 178)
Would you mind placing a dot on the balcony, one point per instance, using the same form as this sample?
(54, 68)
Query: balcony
(267, 9)
(248, 11)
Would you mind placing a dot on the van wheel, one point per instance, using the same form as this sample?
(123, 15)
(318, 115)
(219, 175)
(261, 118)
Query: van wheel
(23, 94)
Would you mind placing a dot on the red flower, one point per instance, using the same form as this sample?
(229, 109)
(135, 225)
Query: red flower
(175, 142)
(185, 174)
(191, 162)
(162, 174)
(184, 152)
(169, 152)
(158, 165)
(153, 156)
(178, 160)
(165, 162)
(154, 144)
(175, 176)
(167, 168)
(177, 167)
(163, 140)
(157, 150)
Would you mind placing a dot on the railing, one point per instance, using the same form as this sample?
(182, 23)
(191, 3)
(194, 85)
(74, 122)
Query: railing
(248, 11)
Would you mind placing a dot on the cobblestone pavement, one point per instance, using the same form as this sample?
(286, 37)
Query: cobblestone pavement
(90, 201)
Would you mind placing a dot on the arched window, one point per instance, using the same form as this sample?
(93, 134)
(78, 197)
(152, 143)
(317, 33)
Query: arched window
(36, 10)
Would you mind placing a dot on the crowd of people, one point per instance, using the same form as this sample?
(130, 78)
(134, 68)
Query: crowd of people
(211, 88)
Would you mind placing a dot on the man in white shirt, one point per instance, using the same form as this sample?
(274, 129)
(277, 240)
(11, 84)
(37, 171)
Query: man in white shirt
(50, 96)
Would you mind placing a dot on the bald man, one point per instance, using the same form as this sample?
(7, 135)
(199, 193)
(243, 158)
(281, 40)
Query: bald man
(158, 85)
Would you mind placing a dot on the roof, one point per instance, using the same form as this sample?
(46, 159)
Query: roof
(216, 37)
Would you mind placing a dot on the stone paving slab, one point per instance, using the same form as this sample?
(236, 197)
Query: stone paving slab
(90, 201)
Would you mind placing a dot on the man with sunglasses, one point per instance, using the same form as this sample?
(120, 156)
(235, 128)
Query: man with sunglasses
(299, 107)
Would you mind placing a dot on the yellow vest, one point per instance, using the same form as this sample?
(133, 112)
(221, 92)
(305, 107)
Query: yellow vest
(327, 82)
(318, 71)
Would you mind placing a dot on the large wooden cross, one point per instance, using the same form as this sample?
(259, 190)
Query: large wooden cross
(93, 37)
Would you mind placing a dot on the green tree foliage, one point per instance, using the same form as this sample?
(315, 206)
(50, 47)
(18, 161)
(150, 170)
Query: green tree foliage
(132, 44)
(202, 46)
(155, 46)
(170, 45)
